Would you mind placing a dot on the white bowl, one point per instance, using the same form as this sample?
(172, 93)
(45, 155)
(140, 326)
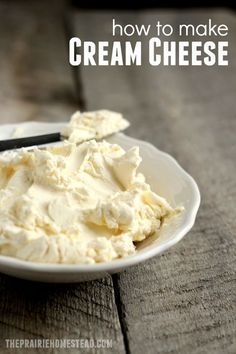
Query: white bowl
(165, 176)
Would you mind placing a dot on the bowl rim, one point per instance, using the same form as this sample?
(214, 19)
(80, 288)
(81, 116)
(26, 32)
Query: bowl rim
(116, 264)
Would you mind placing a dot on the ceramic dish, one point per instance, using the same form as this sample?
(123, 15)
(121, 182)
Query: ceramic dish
(166, 178)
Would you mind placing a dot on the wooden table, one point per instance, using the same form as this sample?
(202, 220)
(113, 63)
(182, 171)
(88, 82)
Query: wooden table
(183, 301)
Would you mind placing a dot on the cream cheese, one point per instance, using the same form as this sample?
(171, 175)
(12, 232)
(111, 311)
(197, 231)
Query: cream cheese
(73, 203)
(93, 125)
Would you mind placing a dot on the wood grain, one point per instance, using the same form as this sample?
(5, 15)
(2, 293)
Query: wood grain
(185, 300)
(36, 83)
(37, 310)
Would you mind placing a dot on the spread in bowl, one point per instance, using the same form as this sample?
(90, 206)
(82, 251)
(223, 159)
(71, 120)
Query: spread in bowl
(73, 203)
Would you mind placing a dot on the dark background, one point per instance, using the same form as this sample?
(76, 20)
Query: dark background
(151, 4)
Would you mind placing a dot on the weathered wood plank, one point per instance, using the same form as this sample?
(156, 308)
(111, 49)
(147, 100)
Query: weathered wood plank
(36, 83)
(183, 301)
(37, 310)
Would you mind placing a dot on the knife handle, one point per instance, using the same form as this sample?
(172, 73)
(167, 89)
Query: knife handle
(10, 144)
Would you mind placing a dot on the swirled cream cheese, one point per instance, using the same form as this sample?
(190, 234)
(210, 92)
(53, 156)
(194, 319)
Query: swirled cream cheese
(76, 204)
(93, 125)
